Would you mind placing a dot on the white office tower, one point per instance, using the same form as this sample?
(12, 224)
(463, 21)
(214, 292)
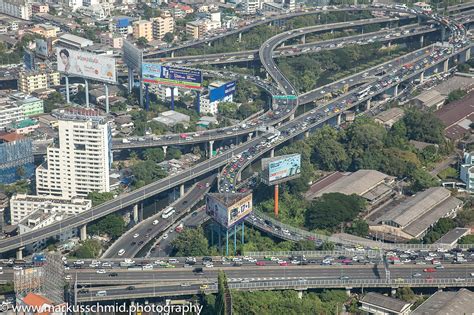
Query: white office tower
(81, 161)
(251, 6)
(73, 4)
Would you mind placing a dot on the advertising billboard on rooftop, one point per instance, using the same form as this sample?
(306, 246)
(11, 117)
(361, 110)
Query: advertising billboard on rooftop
(86, 65)
(230, 214)
(282, 168)
(218, 93)
(171, 76)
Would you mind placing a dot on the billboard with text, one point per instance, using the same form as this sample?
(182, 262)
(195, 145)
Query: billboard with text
(229, 210)
(171, 76)
(281, 168)
(218, 93)
(132, 56)
(86, 65)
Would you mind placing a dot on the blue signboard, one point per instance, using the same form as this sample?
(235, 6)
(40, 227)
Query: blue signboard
(283, 167)
(123, 22)
(171, 76)
(216, 94)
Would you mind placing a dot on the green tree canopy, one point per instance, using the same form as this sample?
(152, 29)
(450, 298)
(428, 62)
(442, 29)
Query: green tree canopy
(113, 225)
(190, 242)
(89, 249)
(100, 197)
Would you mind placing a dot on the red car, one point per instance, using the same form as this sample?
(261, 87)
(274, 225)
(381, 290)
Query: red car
(283, 263)
(429, 270)
(260, 263)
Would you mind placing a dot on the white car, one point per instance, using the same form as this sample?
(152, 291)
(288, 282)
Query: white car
(147, 266)
(155, 222)
(136, 235)
(68, 277)
(101, 271)
(17, 268)
(165, 236)
(121, 252)
(209, 265)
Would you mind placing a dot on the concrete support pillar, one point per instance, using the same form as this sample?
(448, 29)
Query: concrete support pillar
(209, 44)
(19, 253)
(306, 134)
(468, 54)
(181, 190)
(292, 116)
(279, 124)
(300, 294)
(250, 137)
(272, 152)
(443, 33)
(87, 92)
(240, 37)
(395, 91)
(172, 54)
(348, 291)
(422, 77)
(165, 148)
(135, 213)
(419, 19)
(211, 148)
(389, 44)
(368, 104)
(303, 39)
(393, 292)
(83, 232)
(446, 65)
(239, 176)
(422, 41)
(339, 119)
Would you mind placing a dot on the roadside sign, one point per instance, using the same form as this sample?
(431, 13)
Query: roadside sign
(285, 97)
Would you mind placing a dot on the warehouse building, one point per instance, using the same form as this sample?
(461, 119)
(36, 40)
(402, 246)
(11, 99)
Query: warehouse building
(372, 185)
(447, 302)
(389, 117)
(376, 303)
(413, 216)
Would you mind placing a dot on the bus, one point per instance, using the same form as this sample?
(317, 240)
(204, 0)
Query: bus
(272, 137)
(168, 212)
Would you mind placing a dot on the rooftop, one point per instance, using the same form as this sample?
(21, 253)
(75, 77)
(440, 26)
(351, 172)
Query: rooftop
(36, 300)
(415, 206)
(75, 39)
(454, 83)
(447, 303)
(10, 136)
(382, 301)
(456, 111)
(430, 98)
(453, 236)
(392, 113)
(358, 183)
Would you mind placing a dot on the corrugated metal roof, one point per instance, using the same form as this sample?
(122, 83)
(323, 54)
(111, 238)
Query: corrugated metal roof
(380, 300)
(447, 303)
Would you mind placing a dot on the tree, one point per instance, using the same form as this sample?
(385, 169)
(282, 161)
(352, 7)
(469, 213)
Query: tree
(220, 304)
(330, 210)
(423, 126)
(359, 227)
(168, 37)
(405, 294)
(154, 154)
(443, 226)
(145, 172)
(456, 95)
(468, 239)
(142, 41)
(7, 288)
(89, 249)
(190, 242)
(54, 101)
(99, 197)
(173, 153)
(305, 245)
(328, 246)
(113, 225)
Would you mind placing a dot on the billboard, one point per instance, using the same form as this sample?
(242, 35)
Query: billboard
(229, 209)
(282, 168)
(222, 91)
(41, 47)
(171, 76)
(86, 65)
(132, 56)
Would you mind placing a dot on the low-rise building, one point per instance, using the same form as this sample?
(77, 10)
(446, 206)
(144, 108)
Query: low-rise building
(73, 41)
(452, 237)
(431, 99)
(38, 7)
(111, 39)
(23, 127)
(9, 112)
(412, 217)
(30, 105)
(389, 117)
(196, 29)
(379, 304)
(447, 302)
(22, 205)
(371, 185)
(171, 118)
(457, 117)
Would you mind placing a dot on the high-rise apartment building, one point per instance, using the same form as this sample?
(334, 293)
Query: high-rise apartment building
(143, 28)
(250, 6)
(81, 161)
(162, 25)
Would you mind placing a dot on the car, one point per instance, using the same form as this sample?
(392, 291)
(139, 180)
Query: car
(198, 270)
(260, 263)
(17, 268)
(416, 275)
(121, 252)
(165, 236)
(203, 287)
(113, 274)
(344, 278)
(185, 284)
(283, 263)
(155, 222)
(68, 277)
(131, 288)
(136, 235)
(101, 271)
(429, 270)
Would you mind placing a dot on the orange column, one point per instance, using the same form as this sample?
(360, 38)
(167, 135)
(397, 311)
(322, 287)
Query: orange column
(276, 201)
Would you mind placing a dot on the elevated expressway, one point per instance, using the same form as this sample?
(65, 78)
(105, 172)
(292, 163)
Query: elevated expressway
(293, 128)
